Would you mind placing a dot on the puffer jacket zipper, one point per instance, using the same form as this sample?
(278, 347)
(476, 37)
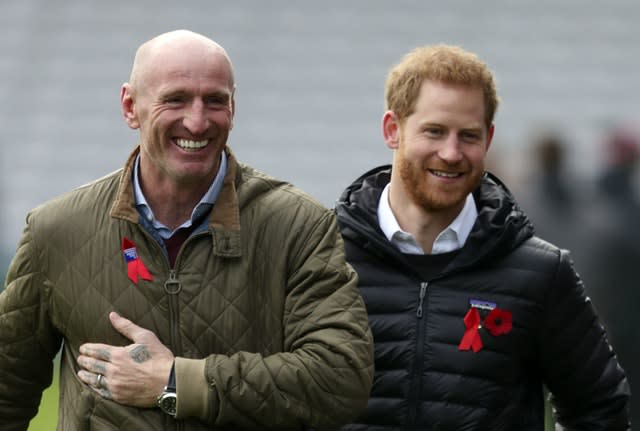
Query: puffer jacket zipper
(416, 381)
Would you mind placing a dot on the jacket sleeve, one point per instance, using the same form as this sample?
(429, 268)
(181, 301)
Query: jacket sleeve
(589, 388)
(322, 378)
(28, 342)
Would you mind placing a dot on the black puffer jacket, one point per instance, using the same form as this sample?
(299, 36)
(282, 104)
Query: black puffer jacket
(424, 382)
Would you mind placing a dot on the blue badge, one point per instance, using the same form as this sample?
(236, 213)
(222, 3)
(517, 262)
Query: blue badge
(130, 254)
(482, 304)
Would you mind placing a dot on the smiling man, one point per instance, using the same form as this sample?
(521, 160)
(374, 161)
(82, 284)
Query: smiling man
(187, 290)
(471, 313)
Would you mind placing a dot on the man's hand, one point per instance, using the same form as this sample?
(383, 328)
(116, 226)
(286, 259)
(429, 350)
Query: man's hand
(133, 375)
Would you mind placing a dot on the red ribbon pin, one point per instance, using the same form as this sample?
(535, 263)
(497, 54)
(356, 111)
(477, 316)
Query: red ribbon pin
(135, 267)
(471, 338)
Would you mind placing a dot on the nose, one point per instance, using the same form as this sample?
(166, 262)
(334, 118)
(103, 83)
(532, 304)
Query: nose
(450, 151)
(195, 119)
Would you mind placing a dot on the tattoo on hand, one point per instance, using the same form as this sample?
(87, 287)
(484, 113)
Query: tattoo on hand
(103, 354)
(100, 367)
(140, 354)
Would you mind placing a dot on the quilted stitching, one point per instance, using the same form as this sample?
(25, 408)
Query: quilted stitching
(228, 306)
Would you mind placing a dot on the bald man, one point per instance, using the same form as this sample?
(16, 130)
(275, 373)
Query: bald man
(187, 290)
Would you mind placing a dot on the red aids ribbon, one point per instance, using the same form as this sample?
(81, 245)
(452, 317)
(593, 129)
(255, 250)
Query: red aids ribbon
(135, 267)
(471, 338)
(498, 322)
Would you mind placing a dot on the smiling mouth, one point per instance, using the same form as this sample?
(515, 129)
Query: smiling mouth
(444, 174)
(189, 145)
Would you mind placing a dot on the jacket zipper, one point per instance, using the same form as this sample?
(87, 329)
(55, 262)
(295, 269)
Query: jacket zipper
(172, 287)
(414, 395)
(423, 292)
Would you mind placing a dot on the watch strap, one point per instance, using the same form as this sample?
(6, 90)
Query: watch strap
(171, 384)
(168, 398)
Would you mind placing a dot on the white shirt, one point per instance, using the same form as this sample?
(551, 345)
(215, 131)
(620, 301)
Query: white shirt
(450, 239)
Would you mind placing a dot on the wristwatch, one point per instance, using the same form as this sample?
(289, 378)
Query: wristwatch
(168, 398)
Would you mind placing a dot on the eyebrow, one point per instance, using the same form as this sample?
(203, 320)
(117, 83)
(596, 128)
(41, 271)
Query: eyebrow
(221, 95)
(478, 127)
(472, 129)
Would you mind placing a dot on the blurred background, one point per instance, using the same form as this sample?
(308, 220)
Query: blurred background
(310, 79)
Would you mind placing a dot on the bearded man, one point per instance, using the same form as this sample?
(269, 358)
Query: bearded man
(472, 315)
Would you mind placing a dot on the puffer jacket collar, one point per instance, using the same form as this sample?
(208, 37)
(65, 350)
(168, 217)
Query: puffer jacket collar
(224, 221)
(501, 225)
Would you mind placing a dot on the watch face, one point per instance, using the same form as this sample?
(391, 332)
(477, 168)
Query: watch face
(168, 403)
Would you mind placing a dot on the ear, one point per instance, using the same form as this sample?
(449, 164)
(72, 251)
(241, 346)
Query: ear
(391, 129)
(490, 133)
(233, 106)
(128, 105)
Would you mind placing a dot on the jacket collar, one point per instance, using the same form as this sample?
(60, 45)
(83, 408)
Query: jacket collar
(500, 227)
(224, 221)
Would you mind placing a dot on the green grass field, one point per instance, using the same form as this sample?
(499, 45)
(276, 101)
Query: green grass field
(47, 417)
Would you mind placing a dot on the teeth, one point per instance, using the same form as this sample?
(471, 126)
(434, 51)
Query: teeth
(188, 144)
(445, 174)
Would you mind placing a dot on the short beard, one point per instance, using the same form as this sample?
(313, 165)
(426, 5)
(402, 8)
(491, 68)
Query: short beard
(415, 184)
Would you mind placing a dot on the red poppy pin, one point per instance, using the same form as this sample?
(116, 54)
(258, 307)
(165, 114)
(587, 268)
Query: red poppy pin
(135, 266)
(497, 321)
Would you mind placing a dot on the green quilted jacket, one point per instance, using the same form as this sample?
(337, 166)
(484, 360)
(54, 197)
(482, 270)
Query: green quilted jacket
(261, 310)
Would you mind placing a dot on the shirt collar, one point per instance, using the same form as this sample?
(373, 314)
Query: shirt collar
(203, 207)
(452, 238)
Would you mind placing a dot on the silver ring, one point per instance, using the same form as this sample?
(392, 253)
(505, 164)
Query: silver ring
(99, 382)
